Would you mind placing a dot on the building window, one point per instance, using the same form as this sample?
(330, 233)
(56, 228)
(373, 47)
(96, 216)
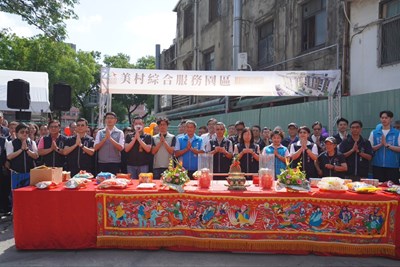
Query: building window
(214, 7)
(390, 49)
(188, 20)
(209, 61)
(314, 24)
(265, 43)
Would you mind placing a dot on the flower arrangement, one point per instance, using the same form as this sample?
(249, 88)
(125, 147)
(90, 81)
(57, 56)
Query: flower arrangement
(293, 178)
(175, 177)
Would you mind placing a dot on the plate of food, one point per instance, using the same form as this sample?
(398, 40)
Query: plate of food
(362, 188)
(393, 190)
(146, 186)
(45, 185)
(367, 190)
(84, 174)
(332, 184)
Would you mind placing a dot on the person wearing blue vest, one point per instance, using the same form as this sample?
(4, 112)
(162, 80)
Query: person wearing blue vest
(280, 151)
(385, 141)
(188, 147)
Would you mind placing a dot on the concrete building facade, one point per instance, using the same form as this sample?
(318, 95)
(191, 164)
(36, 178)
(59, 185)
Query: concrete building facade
(274, 34)
(374, 41)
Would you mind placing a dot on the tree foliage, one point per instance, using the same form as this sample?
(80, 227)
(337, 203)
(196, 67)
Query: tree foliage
(130, 102)
(148, 62)
(46, 15)
(81, 70)
(59, 60)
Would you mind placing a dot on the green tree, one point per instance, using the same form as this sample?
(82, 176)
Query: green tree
(148, 62)
(59, 60)
(46, 15)
(130, 102)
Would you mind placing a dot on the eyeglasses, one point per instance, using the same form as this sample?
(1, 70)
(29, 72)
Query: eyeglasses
(239, 129)
(54, 126)
(80, 125)
(303, 132)
(24, 132)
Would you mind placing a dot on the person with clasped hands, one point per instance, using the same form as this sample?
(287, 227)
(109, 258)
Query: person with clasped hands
(109, 142)
(358, 152)
(138, 148)
(51, 147)
(304, 151)
(280, 151)
(22, 151)
(222, 150)
(248, 152)
(79, 149)
(331, 163)
(163, 148)
(188, 147)
(385, 141)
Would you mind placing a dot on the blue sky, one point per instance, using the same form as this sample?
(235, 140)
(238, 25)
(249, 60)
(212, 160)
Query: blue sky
(121, 26)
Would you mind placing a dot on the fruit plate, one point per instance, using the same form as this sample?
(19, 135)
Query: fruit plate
(392, 190)
(364, 191)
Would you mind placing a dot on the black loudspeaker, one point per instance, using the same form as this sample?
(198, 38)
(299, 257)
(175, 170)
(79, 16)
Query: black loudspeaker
(62, 97)
(18, 96)
(23, 116)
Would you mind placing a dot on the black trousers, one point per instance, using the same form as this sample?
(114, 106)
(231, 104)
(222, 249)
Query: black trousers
(5, 190)
(386, 174)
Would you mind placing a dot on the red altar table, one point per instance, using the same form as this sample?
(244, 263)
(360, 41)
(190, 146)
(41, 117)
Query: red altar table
(56, 218)
(208, 220)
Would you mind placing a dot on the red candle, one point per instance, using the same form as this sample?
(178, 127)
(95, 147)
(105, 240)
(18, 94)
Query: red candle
(267, 181)
(205, 181)
(256, 180)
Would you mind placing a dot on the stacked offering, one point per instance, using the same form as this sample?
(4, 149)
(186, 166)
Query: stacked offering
(236, 179)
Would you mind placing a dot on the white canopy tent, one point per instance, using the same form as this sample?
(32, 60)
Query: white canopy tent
(220, 83)
(39, 89)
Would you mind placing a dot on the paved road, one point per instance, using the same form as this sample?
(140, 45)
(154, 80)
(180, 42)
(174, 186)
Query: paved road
(9, 257)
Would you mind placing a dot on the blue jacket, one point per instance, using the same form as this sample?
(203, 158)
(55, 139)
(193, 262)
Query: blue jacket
(384, 157)
(278, 163)
(189, 159)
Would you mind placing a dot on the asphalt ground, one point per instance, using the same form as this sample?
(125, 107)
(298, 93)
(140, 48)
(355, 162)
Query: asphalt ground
(10, 256)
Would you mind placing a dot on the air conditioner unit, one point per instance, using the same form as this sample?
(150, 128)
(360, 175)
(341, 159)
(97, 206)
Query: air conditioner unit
(165, 101)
